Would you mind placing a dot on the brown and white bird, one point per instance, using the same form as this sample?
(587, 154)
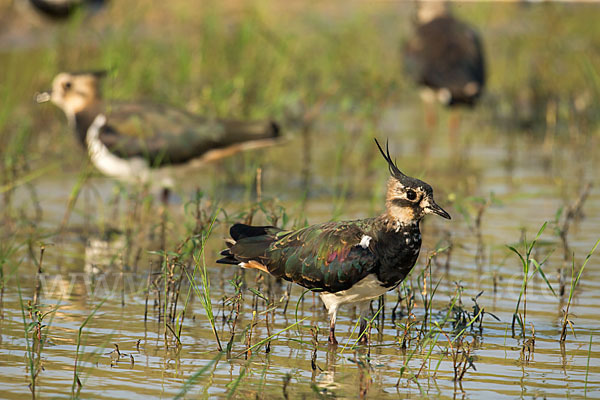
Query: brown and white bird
(139, 142)
(445, 56)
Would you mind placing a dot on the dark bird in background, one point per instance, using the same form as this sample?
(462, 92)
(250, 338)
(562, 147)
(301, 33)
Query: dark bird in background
(63, 9)
(445, 56)
(139, 142)
(347, 262)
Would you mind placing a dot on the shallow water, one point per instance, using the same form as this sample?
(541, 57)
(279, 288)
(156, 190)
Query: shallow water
(528, 199)
(526, 178)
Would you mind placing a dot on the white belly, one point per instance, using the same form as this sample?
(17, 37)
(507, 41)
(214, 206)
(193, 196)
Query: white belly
(367, 289)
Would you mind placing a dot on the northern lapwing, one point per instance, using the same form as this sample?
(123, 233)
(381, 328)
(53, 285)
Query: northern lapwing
(140, 141)
(445, 56)
(347, 262)
(63, 9)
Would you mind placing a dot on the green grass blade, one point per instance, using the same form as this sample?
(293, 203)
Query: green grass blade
(539, 268)
(587, 258)
(271, 337)
(587, 367)
(194, 377)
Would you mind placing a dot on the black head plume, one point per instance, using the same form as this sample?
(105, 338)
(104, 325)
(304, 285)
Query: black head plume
(101, 73)
(394, 170)
(98, 74)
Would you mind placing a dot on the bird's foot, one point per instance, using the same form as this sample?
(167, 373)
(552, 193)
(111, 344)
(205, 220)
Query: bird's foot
(364, 332)
(332, 340)
(364, 339)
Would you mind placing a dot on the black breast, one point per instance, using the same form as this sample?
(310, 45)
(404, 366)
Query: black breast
(398, 253)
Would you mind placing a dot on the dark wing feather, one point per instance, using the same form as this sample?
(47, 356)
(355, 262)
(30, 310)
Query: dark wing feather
(249, 243)
(242, 231)
(323, 257)
(166, 135)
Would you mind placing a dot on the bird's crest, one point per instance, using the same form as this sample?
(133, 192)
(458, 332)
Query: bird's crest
(98, 74)
(394, 170)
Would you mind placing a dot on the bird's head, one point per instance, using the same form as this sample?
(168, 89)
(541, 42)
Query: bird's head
(429, 10)
(407, 199)
(73, 92)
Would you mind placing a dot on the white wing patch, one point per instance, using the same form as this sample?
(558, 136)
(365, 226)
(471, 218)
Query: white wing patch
(364, 241)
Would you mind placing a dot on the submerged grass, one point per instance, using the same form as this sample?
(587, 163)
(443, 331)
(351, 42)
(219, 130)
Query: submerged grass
(587, 367)
(193, 379)
(574, 281)
(36, 337)
(526, 262)
(204, 293)
(77, 385)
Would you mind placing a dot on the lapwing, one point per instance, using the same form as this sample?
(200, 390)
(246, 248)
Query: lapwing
(63, 9)
(139, 142)
(347, 262)
(445, 56)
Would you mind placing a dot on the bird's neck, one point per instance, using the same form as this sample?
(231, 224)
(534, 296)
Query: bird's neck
(399, 218)
(82, 120)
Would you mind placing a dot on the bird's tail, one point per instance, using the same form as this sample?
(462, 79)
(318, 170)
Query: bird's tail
(244, 135)
(244, 131)
(248, 245)
(251, 134)
(229, 257)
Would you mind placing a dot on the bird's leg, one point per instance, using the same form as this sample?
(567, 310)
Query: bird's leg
(453, 128)
(428, 96)
(364, 339)
(164, 197)
(332, 339)
(332, 316)
(365, 309)
(430, 116)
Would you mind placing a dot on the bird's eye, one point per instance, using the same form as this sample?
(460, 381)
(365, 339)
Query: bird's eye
(410, 194)
(67, 85)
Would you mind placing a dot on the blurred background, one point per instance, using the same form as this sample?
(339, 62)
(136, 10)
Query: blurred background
(332, 74)
(337, 69)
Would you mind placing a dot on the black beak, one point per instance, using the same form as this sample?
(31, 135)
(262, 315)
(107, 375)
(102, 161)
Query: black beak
(43, 96)
(434, 208)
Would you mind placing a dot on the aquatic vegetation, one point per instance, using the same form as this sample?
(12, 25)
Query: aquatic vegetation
(574, 281)
(77, 385)
(527, 262)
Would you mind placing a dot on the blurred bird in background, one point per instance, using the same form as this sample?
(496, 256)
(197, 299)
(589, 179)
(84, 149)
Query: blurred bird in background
(140, 142)
(445, 57)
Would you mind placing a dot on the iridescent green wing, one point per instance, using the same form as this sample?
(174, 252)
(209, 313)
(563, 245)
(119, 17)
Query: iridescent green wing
(330, 256)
